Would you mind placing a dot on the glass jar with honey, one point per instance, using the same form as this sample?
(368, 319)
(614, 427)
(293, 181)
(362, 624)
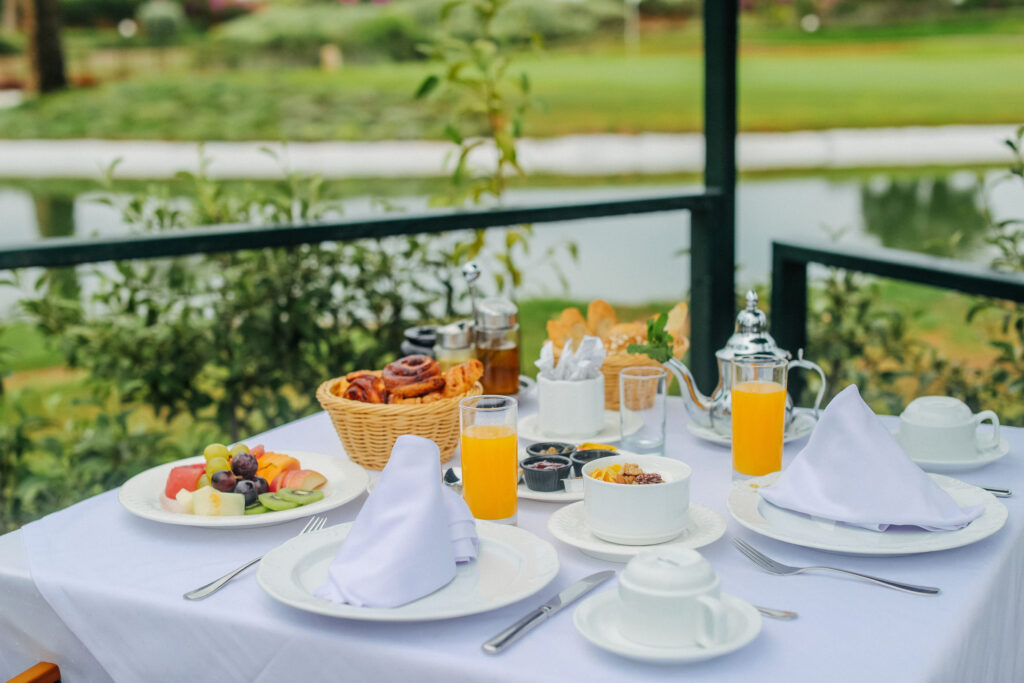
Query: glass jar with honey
(497, 345)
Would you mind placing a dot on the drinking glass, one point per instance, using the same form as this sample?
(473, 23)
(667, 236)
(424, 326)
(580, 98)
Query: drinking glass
(758, 413)
(490, 462)
(642, 409)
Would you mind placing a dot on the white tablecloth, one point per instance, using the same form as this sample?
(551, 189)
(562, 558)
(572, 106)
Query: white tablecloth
(113, 609)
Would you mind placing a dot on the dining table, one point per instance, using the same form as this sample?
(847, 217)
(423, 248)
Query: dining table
(98, 591)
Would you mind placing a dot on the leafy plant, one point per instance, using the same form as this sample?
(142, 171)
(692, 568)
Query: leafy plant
(857, 339)
(486, 94)
(240, 339)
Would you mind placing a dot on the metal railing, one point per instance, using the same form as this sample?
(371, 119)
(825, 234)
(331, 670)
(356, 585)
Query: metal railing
(712, 215)
(790, 283)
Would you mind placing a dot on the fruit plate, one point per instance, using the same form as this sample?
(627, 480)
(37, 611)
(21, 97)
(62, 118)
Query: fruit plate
(512, 564)
(141, 494)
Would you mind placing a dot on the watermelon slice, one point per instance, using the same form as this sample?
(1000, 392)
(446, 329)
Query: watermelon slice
(183, 477)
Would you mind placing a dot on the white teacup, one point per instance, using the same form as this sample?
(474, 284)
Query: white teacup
(670, 597)
(570, 408)
(638, 514)
(942, 428)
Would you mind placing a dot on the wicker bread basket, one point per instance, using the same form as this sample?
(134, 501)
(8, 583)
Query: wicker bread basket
(369, 430)
(614, 363)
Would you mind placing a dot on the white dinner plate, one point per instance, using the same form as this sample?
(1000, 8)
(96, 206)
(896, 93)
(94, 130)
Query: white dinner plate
(964, 464)
(141, 494)
(512, 564)
(760, 516)
(529, 429)
(802, 425)
(597, 619)
(568, 525)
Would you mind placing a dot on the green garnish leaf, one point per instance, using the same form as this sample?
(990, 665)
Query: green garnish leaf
(659, 342)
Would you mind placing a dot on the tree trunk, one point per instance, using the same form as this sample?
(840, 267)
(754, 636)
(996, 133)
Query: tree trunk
(45, 56)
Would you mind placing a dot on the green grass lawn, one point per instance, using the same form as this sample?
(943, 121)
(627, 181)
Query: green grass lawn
(853, 80)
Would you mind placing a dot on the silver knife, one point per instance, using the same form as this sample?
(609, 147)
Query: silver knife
(538, 616)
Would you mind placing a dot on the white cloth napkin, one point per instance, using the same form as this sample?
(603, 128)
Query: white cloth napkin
(408, 537)
(583, 363)
(853, 471)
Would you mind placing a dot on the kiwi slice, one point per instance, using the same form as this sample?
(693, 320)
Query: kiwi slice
(273, 501)
(256, 509)
(300, 496)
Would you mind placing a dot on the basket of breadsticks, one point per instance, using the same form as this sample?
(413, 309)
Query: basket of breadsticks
(370, 409)
(602, 321)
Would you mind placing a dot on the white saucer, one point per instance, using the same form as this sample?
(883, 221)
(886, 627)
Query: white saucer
(529, 429)
(568, 526)
(980, 459)
(597, 620)
(802, 425)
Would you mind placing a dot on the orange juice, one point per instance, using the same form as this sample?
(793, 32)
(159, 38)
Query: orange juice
(758, 420)
(490, 470)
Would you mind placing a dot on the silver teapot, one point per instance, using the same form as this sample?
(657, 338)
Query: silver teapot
(750, 338)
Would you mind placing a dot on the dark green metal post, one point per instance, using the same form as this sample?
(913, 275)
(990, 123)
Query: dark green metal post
(789, 308)
(713, 238)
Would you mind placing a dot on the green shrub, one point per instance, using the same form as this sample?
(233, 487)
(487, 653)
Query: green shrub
(10, 45)
(366, 32)
(90, 13)
(163, 21)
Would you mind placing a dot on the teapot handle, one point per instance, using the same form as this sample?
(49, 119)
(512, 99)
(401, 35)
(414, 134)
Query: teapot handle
(800, 362)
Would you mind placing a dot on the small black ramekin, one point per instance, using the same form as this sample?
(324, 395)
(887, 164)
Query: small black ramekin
(546, 479)
(564, 449)
(581, 458)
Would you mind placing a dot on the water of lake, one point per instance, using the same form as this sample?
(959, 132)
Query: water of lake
(633, 259)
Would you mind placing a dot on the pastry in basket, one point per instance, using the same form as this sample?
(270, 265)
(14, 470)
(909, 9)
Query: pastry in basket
(602, 321)
(413, 379)
(460, 378)
(413, 376)
(366, 387)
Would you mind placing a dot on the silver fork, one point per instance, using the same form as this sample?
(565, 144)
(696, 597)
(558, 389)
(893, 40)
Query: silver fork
(773, 567)
(315, 523)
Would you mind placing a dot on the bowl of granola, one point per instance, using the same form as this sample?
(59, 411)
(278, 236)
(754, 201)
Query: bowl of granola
(636, 499)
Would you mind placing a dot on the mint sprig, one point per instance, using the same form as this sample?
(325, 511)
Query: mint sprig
(659, 342)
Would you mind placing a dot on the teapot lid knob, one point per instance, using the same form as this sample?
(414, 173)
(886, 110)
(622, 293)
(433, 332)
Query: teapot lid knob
(752, 319)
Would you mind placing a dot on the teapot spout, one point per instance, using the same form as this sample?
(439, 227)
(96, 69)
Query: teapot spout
(698, 406)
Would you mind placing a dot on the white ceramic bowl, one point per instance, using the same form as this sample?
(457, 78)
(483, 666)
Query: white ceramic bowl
(638, 514)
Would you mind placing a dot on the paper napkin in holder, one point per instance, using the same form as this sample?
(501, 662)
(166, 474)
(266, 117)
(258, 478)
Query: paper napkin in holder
(853, 471)
(408, 537)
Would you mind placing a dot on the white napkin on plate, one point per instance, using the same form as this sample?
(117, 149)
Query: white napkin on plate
(853, 471)
(408, 537)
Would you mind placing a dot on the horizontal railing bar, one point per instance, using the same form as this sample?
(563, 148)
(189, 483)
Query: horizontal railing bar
(923, 269)
(59, 252)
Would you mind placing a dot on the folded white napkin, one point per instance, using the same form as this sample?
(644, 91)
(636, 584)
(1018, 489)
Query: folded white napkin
(407, 538)
(853, 471)
(583, 363)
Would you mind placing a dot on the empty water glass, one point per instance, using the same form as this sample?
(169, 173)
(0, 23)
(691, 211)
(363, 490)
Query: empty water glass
(642, 409)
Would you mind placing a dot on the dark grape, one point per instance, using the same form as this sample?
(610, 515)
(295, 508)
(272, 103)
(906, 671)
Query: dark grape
(244, 465)
(247, 487)
(223, 480)
(261, 484)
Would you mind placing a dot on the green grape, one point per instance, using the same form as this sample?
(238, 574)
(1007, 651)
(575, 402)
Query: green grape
(204, 480)
(239, 448)
(216, 464)
(216, 450)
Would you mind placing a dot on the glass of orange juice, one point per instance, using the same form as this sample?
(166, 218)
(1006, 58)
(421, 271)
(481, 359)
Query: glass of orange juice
(758, 413)
(490, 462)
